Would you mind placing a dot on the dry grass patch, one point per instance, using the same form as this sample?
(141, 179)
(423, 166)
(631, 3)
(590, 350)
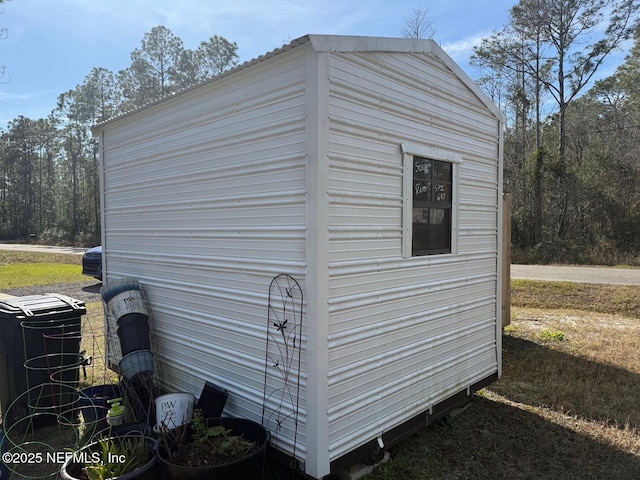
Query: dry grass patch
(10, 257)
(604, 338)
(613, 299)
(93, 343)
(588, 374)
(567, 406)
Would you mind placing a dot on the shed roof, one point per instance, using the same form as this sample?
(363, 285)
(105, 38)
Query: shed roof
(341, 43)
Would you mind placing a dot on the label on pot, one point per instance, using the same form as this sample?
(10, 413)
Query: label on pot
(173, 410)
(130, 301)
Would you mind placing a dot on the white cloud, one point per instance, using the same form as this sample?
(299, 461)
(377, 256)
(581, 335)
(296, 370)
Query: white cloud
(4, 95)
(461, 50)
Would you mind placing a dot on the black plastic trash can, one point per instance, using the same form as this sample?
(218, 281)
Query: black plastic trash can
(39, 346)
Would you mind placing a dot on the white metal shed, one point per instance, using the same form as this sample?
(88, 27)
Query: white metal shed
(368, 169)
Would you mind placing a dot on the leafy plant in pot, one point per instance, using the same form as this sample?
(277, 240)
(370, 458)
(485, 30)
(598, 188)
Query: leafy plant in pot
(223, 448)
(126, 457)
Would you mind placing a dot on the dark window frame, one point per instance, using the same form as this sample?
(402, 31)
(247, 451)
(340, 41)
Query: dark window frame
(432, 206)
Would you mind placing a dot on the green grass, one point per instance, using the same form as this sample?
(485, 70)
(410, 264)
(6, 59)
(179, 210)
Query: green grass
(23, 269)
(556, 335)
(31, 274)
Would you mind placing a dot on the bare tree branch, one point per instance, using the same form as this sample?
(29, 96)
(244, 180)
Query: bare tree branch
(419, 24)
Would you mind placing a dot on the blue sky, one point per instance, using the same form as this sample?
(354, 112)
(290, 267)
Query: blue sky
(52, 45)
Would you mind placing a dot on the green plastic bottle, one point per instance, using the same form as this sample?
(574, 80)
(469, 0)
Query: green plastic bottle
(117, 412)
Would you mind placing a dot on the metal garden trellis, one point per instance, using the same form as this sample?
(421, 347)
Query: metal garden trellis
(280, 407)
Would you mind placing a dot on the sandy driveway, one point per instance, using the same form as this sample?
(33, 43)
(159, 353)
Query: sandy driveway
(25, 247)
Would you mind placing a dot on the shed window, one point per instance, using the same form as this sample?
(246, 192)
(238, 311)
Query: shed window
(430, 189)
(431, 209)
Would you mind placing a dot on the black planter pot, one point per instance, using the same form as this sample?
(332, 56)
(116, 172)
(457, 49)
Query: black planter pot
(133, 333)
(72, 467)
(248, 468)
(94, 404)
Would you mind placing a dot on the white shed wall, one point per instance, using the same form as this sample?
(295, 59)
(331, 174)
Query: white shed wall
(204, 203)
(294, 165)
(405, 333)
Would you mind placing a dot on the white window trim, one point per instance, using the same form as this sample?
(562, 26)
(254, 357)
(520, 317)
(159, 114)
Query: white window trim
(410, 150)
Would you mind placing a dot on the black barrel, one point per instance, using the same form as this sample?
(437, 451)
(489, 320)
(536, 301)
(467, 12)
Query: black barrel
(38, 329)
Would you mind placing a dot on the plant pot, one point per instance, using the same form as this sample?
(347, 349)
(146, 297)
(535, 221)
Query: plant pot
(72, 469)
(135, 363)
(174, 409)
(93, 404)
(249, 467)
(133, 333)
(122, 297)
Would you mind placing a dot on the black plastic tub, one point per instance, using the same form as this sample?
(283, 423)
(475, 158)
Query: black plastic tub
(248, 468)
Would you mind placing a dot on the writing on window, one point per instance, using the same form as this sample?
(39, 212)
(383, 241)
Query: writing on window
(432, 206)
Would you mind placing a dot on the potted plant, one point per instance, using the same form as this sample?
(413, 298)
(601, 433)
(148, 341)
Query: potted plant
(223, 448)
(126, 457)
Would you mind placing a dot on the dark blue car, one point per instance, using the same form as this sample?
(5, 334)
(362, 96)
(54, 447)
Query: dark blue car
(92, 262)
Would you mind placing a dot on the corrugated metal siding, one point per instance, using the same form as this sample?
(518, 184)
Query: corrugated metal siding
(216, 180)
(205, 202)
(404, 334)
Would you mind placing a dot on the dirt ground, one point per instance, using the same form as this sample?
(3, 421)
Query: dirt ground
(86, 292)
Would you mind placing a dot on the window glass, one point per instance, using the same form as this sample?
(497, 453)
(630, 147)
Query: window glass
(432, 194)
